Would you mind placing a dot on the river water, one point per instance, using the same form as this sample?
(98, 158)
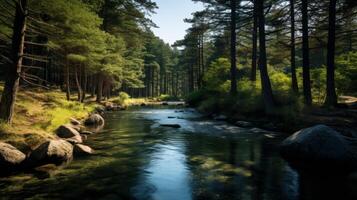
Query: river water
(136, 158)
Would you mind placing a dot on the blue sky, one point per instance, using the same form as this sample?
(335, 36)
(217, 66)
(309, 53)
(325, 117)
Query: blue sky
(169, 17)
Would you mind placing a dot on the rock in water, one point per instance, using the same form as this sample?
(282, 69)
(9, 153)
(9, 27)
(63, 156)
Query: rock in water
(220, 118)
(53, 151)
(10, 157)
(94, 120)
(171, 125)
(82, 150)
(320, 148)
(244, 124)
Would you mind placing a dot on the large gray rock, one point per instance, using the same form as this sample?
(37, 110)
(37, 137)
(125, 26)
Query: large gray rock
(52, 151)
(94, 120)
(82, 150)
(10, 156)
(320, 148)
(67, 131)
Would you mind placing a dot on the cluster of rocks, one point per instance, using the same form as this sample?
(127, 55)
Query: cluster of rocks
(108, 106)
(68, 144)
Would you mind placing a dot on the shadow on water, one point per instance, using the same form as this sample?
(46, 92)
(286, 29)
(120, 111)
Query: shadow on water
(137, 159)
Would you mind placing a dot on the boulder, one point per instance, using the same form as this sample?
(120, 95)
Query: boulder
(75, 121)
(94, 120)
(171, 125)
(244, 124)
(52, 152)
(75, 140)
(320, 148)
(220, 118)
(10, 156)
(67, 131)
(82, 150)
(100, 110)
(143, 104)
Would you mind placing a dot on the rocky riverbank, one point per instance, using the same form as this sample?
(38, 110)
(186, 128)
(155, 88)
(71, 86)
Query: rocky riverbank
(68, 143)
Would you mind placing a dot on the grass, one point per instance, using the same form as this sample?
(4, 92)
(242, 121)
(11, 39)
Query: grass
(38, 113)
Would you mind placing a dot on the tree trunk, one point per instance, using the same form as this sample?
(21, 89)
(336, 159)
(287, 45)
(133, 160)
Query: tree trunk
(79, 88)
(331, 97)
(265, 81)
(8, 97)
(68, 90)
(99, 87)
(253, 76)
(233, 90)
(85, 82)
(294, 83)
(305, 54)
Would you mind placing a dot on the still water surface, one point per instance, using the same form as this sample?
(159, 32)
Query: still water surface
(136, 158)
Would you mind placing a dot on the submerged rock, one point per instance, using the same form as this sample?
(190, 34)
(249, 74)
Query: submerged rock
(244, 124)
(171, 125)
(320, 148)
(94, 120)
(53, 151)
(10, 156)
(220, 118)
(82, 150)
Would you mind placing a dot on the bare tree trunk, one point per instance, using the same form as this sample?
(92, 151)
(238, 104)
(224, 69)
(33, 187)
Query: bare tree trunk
(294, 83)
(253, 76)
(99, 87)
(331, 97)
(8, 97)
(233, 90)
(305, 54)
(85, 82)
(266, 85)
(79, 88)
(68, 90)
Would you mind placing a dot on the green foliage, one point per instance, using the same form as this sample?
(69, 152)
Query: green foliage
(121, 99)
(346, 65)
(166, 97)
(217, 76)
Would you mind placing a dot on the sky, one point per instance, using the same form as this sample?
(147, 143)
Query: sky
(169, 17)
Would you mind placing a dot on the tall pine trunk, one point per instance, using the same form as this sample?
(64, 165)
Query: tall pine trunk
(253, 76)
(100, 81)
(294, 83)
(305, 54)
(331, 97)
(233, 90)
(79, 88)
(265, 81)
(8, 97)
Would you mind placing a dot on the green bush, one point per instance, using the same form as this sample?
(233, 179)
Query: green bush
(122, 97)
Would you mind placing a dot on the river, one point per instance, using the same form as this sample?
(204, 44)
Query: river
(136, 158)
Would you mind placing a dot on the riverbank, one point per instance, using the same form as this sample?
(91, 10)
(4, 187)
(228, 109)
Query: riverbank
(285, 119)
(39, 113)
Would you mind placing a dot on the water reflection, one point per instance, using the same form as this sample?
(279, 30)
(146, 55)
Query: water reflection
(138, 159)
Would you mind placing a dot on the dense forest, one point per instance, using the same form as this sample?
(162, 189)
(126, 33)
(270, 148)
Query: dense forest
(303, 51)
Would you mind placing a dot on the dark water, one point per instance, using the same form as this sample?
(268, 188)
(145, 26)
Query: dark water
(138, 159)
